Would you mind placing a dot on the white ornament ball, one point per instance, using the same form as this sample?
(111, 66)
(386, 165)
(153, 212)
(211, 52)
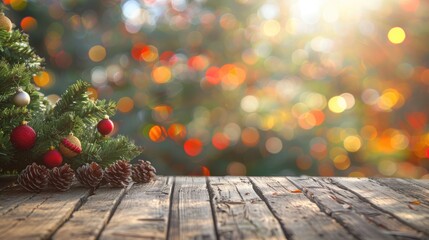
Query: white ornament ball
(21, 99)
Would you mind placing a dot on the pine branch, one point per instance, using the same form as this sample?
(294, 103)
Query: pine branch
(94, 111)
(15, 49)
(117, 148)
(6, 151)
(107, 150)
(75, 93)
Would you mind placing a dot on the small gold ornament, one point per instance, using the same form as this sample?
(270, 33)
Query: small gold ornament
(5, 23)
(70, 146)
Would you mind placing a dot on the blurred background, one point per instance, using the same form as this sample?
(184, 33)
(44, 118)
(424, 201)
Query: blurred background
(249, 87)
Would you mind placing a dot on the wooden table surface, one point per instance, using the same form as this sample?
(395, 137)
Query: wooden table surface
(223, 208)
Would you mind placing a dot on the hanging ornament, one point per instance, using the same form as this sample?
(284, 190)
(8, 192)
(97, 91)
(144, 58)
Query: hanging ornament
(21, 98)
(5, 23)
(23, 137)
(70, 146)
(52, 158)
(105, 126)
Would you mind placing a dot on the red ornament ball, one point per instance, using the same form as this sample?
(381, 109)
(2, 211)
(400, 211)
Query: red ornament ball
(105, 126)
(52, 158)
(23, 137)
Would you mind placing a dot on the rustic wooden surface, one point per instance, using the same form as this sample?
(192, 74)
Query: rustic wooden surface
(222, 208)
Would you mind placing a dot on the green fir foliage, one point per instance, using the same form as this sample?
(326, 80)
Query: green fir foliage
(74, 113)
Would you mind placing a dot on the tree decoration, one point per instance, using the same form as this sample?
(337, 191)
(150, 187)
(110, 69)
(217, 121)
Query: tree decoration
(70, 146)
(34, 178)
(52, 158)
(21, 98)
(143, 172)
(61, 177)
(5, 23)
(90, 175)
(118, 174)
(105, 126)
(74, 112)
(23, 137)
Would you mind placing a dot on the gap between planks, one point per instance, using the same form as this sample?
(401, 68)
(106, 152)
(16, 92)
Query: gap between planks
(99, 208)
(299, 216)
(389, 201)
(239, 211)
(354, 213)
(190, 213)
(39, 216)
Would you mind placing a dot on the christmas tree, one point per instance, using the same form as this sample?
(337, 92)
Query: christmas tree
(72, 130)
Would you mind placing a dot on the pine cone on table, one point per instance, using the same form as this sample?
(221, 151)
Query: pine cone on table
(90, 175)
(143, 172)
(61, 177)
(118, 174)
(34, 178)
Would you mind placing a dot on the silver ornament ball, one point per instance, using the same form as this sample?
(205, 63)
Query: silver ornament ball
(21, 99)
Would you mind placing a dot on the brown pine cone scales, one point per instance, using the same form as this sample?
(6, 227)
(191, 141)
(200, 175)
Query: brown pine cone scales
(34, 178)
(118, 174)
(61, 177)
(143, 172)
(90, 175)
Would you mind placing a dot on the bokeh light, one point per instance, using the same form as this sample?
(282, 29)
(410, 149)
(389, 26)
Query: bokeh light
(97, 53)
(249, 87)
(161, 74)
(157, 133)
(396, 35)
(125, 104)
(43, 79)
(28, 24)
(177, 131)
(193, 147)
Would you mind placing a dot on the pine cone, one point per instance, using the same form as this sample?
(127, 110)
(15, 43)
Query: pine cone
(61, 177)
(118, 174)
(90, 175)
(143, 172)
(34, 178)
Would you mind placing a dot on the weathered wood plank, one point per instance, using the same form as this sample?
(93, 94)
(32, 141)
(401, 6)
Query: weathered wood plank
(191, 213)
(424, 183)
(142, 213)
(40, 216)
(420, 194)
(88, 222)
(239, 212)
(300, 217)
(398, 205)
(359, 217)
(11, 197)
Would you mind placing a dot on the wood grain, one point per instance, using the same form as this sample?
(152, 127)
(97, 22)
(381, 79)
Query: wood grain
(40, 216)
(88, 222)
(300, 217)
(424, 183)
(142, 213)
(191, 213)
(12, 197)
(359, 217)
(388, 200)
(223, 208)
(239, 212)
(420, 194)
